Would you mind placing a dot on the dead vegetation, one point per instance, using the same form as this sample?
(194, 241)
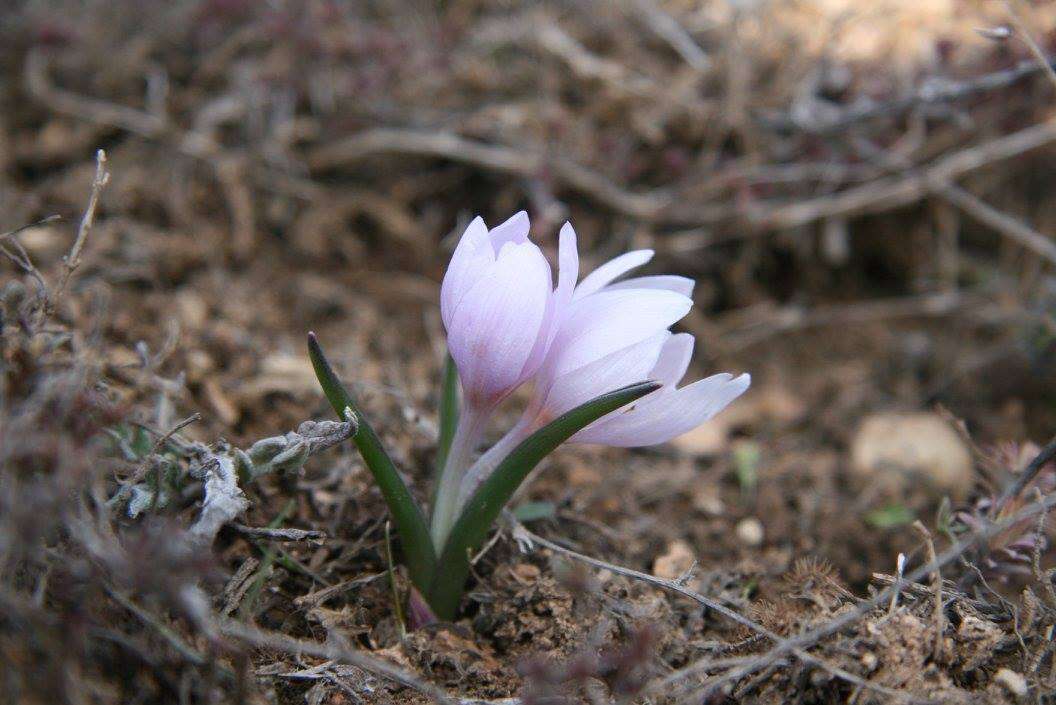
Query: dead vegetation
(862, 193)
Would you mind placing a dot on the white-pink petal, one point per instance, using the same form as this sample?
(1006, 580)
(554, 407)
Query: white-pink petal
(568, 261)
(472, 255)
(494, 328)
(609, 321)
(610, 271)
(568, 272)
(669, 282)
(659, 417)
(627, 366)
(674, 360)
(514, 229)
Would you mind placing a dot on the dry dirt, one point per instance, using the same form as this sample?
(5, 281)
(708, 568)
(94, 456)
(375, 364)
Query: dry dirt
(290, 167)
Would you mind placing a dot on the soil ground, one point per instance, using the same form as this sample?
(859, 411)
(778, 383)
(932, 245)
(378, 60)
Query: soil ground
(291, 167)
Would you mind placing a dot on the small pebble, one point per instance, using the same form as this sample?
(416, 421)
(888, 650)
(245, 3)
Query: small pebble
(675, 561)
(525, 573)
(750, 531)
(706, 499)
(899, 452)
(1014, 682)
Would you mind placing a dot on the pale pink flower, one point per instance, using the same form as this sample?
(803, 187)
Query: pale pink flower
(497, 304)
(501, 312)
(609, 335)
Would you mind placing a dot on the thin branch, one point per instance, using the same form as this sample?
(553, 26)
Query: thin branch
(900, 569)
(931, 91)
(658, 205)
(808, 639)
(73, 260)
(667, 28)
(169, 635)
(38, 84)
(1002, 222)
(298, 647)
(314, 599)
(589, 66)
(179, 426)
(20, 257)
(156, 449)
(522, 162)
(1024, 478)
(1045, 579)
(936, 581)
(519, 530)
(765, 325)
(908, 187)
(264, 532)
(23, 228)
(1028, 39)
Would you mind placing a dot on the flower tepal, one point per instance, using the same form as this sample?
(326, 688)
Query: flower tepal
(669, 411)
(497, 305)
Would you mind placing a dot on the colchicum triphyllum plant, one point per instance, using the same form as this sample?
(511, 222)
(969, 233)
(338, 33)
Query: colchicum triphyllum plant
(604, 369)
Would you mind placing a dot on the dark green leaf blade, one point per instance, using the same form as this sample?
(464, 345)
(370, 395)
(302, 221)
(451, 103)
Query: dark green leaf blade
(410, 522)
(448, 412)
(484, 506)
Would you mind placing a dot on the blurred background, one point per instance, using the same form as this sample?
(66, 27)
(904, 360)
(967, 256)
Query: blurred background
(859, 189)
(862, 191)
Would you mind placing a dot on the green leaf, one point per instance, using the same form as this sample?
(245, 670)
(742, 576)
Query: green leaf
(249, 602)
(141, 443)
(746, 464)
(534, 511)
(944, 517)
(410, 522)
(448, 413)
(484, 506)
(890, 516)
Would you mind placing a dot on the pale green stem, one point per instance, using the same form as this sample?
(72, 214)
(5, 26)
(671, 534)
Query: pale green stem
(470, 431)
(491, 458)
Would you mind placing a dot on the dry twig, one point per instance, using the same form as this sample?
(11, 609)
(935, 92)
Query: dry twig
(808, 639)
(1044, 578)
(1028, 39)
(906, 188)
(667, 28)
(900, 569)
(73, 260)
(39, 85)
(764, 326)
(932, 91)
(526, 536)
(936, 581)
(19, 255)
(1027, 476)
(1005, 224)
(278, 534)
(522, 162)
(314, 599)
(169, 635)
(298, 647)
